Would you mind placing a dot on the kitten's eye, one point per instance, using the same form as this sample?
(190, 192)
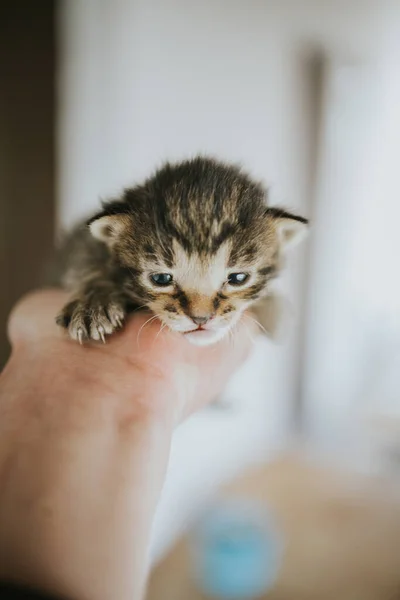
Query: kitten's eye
(161, 279)
(238, 278)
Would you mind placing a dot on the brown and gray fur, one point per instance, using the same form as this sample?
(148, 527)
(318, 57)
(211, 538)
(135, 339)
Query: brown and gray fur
(198, 221)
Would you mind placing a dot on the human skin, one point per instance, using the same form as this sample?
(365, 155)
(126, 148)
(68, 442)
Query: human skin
(85, 434)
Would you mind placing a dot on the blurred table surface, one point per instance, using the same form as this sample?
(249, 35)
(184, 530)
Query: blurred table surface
(341, 530)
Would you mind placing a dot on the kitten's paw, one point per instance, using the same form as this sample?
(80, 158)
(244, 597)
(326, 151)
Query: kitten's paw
(91, 318)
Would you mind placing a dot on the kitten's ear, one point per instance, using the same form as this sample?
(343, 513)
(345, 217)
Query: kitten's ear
(109, 228)
(291, 229)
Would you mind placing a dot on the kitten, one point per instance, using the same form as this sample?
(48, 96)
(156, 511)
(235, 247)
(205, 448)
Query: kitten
(196, 244)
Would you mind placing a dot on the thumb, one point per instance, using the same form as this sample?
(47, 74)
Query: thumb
(202, 373)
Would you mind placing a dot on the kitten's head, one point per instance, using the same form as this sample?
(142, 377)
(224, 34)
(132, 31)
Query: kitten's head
(198, 244)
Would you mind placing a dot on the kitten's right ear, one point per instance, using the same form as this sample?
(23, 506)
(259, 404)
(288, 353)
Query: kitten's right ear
(291, 229)
(109, 228)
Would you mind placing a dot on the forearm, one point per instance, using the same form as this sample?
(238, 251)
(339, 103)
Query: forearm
(78, 488)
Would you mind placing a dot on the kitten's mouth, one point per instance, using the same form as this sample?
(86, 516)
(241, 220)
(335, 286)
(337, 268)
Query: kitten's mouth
(198, 329)
(202, 336)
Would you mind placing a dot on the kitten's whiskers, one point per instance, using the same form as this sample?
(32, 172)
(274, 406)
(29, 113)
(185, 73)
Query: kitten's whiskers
(144, 325)
(248, 332)
(162, 327)
(247, 316)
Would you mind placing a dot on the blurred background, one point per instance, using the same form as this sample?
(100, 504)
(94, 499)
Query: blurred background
(95, 94)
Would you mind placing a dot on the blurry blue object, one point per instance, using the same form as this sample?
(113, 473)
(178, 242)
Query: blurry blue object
(237, 551)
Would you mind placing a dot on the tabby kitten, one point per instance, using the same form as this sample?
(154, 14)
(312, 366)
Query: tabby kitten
(196, 244)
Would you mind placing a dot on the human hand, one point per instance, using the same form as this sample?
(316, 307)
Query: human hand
(84, 442)
(144, 358)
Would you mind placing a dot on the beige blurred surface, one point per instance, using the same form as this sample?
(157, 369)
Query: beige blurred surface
(342, 536)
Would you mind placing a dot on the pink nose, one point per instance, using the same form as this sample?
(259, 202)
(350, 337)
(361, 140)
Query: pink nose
(201, 320)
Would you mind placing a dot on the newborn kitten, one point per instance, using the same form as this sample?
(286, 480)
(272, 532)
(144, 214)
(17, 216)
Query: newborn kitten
(196, 244)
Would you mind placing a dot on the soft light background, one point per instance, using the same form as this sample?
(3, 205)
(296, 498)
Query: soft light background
(307, 96)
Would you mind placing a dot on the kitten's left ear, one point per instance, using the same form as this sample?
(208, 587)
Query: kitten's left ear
(291, 229)
(109, 228)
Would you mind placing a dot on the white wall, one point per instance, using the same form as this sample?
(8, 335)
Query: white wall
(142, 81)
(352, 346)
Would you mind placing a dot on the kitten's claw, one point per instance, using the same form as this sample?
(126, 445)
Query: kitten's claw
(93, 317)
(116, 315)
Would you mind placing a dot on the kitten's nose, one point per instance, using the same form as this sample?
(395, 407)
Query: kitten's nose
(200, 320)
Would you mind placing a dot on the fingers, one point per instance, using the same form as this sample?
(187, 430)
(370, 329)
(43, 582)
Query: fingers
(34, 316)
(204, 372)
(196, 374)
